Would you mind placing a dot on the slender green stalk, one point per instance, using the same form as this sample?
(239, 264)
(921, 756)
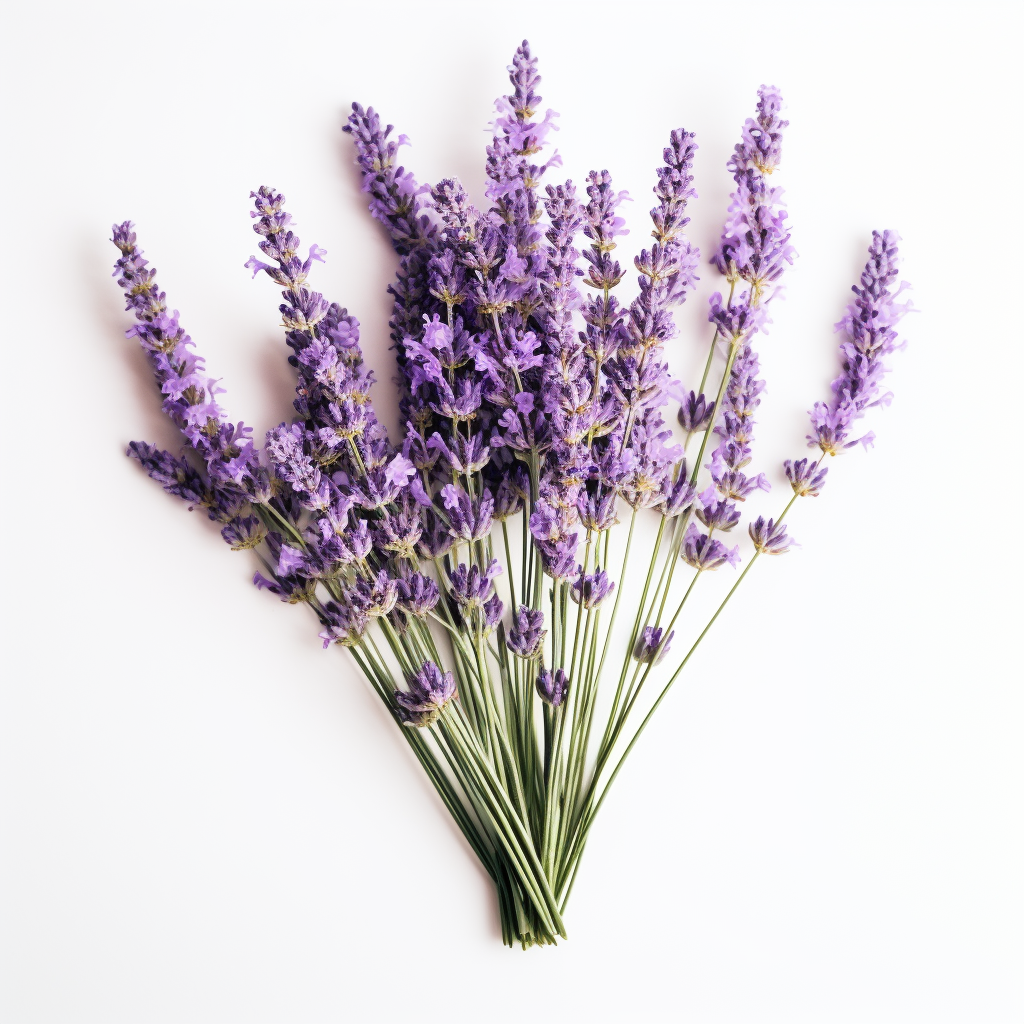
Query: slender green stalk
(582, 833)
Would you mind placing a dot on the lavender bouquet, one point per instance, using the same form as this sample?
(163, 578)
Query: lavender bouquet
(466, 569)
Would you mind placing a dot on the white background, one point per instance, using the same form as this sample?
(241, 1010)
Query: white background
(207, 818)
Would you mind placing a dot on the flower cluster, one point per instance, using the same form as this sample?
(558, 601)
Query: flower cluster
(755, 246)
(468, 569)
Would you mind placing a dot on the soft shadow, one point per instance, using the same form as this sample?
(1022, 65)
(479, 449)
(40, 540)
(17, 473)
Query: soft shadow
(278, 378)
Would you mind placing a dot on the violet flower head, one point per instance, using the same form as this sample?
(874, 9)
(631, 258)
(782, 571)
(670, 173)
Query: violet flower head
(677, 496)
(417, 594)
(429, 691)
(526, 637)
(553, 687)
(650, 649)
(696, 413)
(870, 327)
(597, 509)
(376, 595)
(244, 533)
(510, 494)
(755, 241)
(590, 589)
(395, 202)
(736, 429)
(554, 535)
(706, 553)
(470, 517)
(472, 588)
(517, 141)
(769, 537)
(232, 460)
(674, 190)
(279, 243)
(602, 227)
(176, 476)
(394, 194)
(761, 145)
(805, 477)
(436, 540)
(716, 513)
(347, 621)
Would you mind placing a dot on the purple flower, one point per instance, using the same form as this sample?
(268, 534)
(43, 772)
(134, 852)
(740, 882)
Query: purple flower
(731, 483)
(436, 540)
(383, 483)
(761, 145)
(429, 691)
(648, 479)
(526, 637)
(462, 454)
(354, 544)
(398, 530)
(650, 649)
(674, 190)
(677, 496)
(769, 537)
(559, 558)
(741, 399)
(705, 553)
(471, 587)
(553, 533)
(290, 562)
(286, 446)
(805, 477)
(231, 458)
(470, 518)
(376, 595)
(346, 623)
(291, 591)
(870, 326)
(176, 476)
(736, 321)
(597, 509)
(755, 242)
(393, 190)
(603, 226)
(553, 687)
(280, 244)
(696, 412)
(244, 532)
(590, 589)
(513, 490)
(717, 513)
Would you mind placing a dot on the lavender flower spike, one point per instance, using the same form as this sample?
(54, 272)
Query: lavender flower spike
(805, 477)
(704, 553)
(553, 687)
(870, 327)
(755, 242)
